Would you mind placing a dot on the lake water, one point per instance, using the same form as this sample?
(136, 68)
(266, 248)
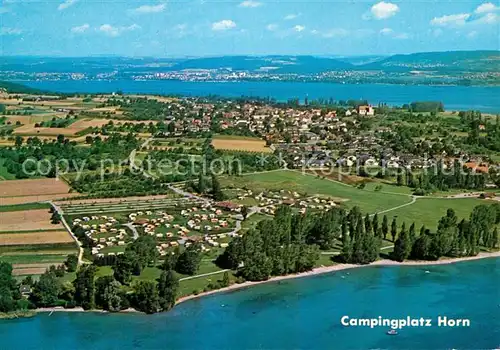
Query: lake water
(485, 99)
(302, 313)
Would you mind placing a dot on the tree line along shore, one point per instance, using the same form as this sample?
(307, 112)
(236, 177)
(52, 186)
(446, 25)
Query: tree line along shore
(286, 246)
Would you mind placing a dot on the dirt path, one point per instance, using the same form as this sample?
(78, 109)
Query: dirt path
(413, 200)
(203, 275)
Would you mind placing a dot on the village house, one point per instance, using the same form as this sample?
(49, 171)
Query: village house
(366, 110)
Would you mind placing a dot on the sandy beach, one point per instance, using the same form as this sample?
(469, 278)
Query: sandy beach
(340, 267)
(80, 309)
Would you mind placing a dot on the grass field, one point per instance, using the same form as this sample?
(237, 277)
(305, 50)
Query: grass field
(428, 211)
(27, 206)
(368, 200)
(33, 259)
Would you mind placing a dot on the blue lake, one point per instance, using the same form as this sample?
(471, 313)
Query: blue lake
(301, 313)
(485, 99)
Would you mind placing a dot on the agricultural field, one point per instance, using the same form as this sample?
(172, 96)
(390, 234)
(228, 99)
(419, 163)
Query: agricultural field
(14, 192)
(26, 220)
(71, 130)
(43, 237)
(19, 188)
(30, 241)
(240, 144)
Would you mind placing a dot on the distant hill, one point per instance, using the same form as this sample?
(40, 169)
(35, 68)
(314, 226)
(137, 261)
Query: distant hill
(477, 61)
(361, 60)
(19, 88)
(276, 64)
(124, 67)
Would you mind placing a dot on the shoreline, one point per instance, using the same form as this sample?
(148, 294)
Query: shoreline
(340, 267)
(314, 272)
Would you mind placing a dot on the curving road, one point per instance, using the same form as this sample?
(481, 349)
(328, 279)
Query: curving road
(132, 228)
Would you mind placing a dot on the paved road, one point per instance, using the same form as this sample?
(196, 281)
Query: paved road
(68, 228)
(132, 228)
(187, 194)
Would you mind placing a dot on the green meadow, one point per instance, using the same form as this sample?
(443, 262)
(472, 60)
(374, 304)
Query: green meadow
(367, 199)
(428, 211)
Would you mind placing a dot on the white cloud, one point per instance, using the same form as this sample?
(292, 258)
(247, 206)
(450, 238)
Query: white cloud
(250, 3)
(272, 27)
(450, 20)
(382, 10)
(80, 29)
(472, 34)
(402, 36)
(225, 24)
(10, 31)
(486, 7)
(291, 16)
(389, 32)
(299, 28)
(386, 31)
(335, 33)
(181, 27)
(489, 18)
(150, 9)
(437, 32)
(112, 31)
(66, 4)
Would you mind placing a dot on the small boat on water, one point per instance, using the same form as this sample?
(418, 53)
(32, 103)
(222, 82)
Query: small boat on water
(392, 332)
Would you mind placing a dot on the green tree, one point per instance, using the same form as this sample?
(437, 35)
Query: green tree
(124, 266)
(8, 288)
(71, 262)
(244, 212)
(107, 293)
(168, 287)
(394, 229)
(55, 218)
(225, 280)
(375, 224)
(85, 287)
(494, 240)
(421, 247)
(385, 226)
(217, 193)
(189, 260)
(346, 248)
(368, 224)
(146, 297)
(46, 291)
(402, 246)
(202, 187)
(412, 234)
(18, 141)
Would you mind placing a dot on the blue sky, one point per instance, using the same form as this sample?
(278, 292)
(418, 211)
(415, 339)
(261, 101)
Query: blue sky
(258, 27)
